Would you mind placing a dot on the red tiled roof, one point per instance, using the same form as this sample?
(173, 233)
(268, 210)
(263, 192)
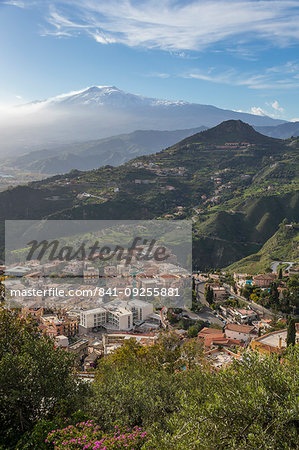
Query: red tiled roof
(205, 331)
(213, 340)
(266, 276)
(239, 328)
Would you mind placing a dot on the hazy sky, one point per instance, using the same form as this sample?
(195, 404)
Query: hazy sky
(234, 54)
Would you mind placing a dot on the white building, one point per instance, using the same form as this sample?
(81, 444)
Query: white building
(62, 341)
(118, 314)
(93, 318)
(120, 318)
(141, 310)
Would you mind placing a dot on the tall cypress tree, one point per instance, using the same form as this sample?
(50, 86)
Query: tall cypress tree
(291, 336)
(280, 274)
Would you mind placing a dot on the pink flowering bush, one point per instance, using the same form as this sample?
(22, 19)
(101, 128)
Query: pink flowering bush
(88, 435)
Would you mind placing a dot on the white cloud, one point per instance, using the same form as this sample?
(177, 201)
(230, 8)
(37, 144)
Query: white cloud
(20, 3)
(102, 39)
(17, 3)
(258, 111)
(295, 120)
(275, 105)
(271, 78)
(159, 75)
(175, 25)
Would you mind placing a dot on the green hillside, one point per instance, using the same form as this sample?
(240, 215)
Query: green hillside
(235, 185)
(282, 246)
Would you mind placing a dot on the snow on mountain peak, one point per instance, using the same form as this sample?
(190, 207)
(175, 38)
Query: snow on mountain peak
(106, 95)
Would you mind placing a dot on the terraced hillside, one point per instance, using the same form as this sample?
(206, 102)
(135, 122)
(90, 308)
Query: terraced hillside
(235, 184)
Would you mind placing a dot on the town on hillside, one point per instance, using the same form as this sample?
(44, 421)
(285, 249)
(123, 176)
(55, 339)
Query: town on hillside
(230, 312)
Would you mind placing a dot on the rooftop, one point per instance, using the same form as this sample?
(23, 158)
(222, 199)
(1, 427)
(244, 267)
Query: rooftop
(265, 276)
(239, 328)
(205, 331)
(273, 339)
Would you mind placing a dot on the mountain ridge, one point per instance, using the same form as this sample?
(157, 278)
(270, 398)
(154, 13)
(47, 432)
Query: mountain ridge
(97, 113)
(236, 196)
(235, 130)
(283, 131)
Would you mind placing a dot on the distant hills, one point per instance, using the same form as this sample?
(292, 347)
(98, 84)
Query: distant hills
(119, 149)
(235, 184)
(93, 154)
(283, 131)
(102, 111)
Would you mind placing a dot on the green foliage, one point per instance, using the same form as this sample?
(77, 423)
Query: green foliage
(280, 274)
(209, 296)
(282, 246)
(253, 404)
(291, 335)
(139, 386)
(195, 329)
(36, 379)
(166, 389)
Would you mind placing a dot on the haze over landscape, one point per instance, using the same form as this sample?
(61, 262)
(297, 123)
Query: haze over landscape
(99, 112)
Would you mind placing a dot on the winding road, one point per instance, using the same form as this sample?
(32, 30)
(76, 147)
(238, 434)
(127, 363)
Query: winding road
(274, 265)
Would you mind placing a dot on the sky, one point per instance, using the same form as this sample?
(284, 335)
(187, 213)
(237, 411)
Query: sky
(234, 54)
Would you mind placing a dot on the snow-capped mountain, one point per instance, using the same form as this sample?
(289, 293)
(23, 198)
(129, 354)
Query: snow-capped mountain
(107, 96)
(103, 111)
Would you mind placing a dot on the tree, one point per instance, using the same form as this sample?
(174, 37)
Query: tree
(137, 386)
(291, 334)
(35, 377)
(252, 404)
(193, 283)
(209, 294)
(246, 291)
(274, 294)
(193, 331)
(280, 274)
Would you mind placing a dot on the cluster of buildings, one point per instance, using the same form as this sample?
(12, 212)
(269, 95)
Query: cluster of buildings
(223, 346)
(60, 325)
(89, 350)
(235, 145)
(103, 313)
(232, 335)
(160, 171)
(262, 280)
(94, 333)
(114, 281)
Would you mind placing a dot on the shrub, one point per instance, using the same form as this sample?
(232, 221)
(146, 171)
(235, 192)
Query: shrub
(89, 435)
